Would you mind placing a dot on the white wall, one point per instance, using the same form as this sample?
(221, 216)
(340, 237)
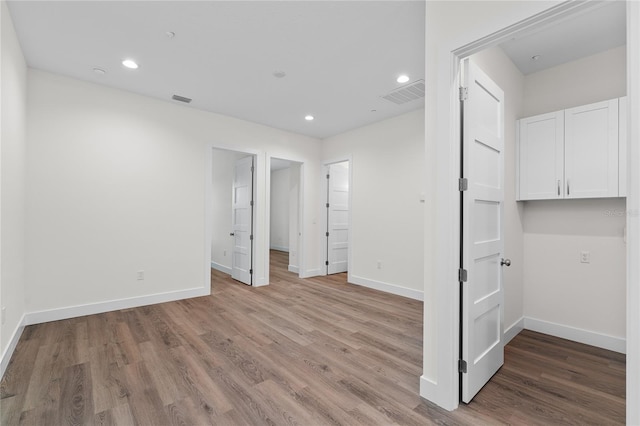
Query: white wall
(386, 212)
(559, 290)
(12, 181)
(587, 80)
(222, 182)
(117, 184)
(503, 72)
(280, 187)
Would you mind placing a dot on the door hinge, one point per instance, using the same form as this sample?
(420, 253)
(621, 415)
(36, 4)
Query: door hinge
(327, 176)
(251, 169)
(327, 205)
(463, 184)
(251, 203)
(250, 271)
(464, 93)
(250, 237)
(462, 275)
(327, 234)
(326, 262)
(462, 366)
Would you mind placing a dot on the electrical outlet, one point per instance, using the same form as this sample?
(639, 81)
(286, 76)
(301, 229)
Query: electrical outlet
(379, 264)
(224, 252)
(140, 275)
(4, 314)
(585, 257)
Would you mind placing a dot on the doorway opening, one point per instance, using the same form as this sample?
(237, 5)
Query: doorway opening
(337, 217)
(285, 213)
(232, 214)
(563, 228)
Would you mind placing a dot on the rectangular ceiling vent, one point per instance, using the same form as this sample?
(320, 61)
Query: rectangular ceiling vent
(181, 99)
(408, 93)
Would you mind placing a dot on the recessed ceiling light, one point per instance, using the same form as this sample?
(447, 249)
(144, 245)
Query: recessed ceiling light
(99, 71)
(309, 117)
(170, 34)
(130, 63)
(535, 57)
(279, 74)
(402, 79)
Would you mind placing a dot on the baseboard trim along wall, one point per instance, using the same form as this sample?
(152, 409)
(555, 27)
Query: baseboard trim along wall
(592, 338)
(221, 268)
(113, 305)
(13, 342)
(513, 330)
(311, 273)
(293, 269)
(386, 287)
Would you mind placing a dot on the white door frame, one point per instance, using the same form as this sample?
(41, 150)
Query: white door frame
(444, 390)
(323, 238)
(260, 241)
(301, 235)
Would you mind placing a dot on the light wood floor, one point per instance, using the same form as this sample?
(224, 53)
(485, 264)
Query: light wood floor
(308, 352)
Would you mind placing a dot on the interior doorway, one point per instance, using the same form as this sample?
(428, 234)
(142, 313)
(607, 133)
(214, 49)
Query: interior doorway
(541, 215)
(285, 211)
(232, 214)
(337, 217)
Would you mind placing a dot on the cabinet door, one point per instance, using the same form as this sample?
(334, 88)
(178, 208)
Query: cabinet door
(541, 152)
(591, 150)
(622, 147)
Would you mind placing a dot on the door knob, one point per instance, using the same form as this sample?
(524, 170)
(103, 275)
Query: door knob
(232, 234)
(506, 262)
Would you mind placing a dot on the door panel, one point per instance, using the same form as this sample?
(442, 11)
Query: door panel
(338, 218)
(242, 220)
(482, 230)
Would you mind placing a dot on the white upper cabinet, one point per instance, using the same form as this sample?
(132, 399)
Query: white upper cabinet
(571, 154)
(591, 150)
(542, 156)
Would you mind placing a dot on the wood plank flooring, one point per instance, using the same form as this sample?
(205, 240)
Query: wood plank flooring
(308, 352)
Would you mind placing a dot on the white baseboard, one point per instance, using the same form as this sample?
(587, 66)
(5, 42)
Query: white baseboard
(13, 342)
(112, 305)
(513, 330)
(311, 273)
(221, 268)
(429, 390)
(293, 269)
(279, 248)
(386, 287)
(604, 341)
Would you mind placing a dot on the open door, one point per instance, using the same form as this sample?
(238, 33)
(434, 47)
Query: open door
(242, 221)
(482, 345)
(337, 217)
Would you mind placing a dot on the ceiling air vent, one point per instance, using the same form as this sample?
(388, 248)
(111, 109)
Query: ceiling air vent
(408, 93)
(181, 99)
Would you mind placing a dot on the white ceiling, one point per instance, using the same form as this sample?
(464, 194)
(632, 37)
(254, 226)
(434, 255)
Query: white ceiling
(601, 28)
(339, 57)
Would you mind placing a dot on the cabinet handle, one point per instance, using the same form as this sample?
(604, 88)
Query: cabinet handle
(558, 187)
(568, 189)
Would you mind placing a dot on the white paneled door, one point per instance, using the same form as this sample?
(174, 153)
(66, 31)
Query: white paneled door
(482, 231)
(337, 217)
(242, 220)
